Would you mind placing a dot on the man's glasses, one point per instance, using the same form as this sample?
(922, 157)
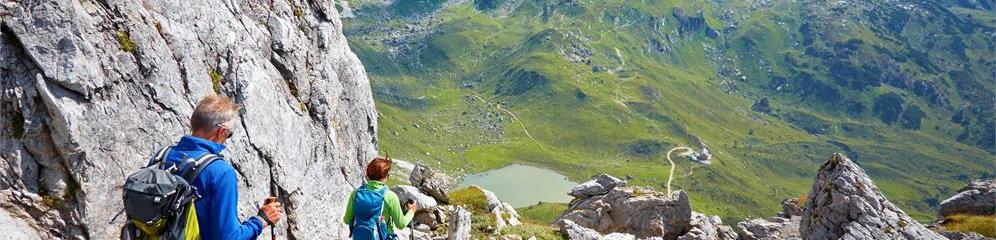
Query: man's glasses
(228, 130)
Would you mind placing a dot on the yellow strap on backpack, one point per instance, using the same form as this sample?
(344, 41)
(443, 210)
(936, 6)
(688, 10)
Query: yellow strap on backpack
(193, 230)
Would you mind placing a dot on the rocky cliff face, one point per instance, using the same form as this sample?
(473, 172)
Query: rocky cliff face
(845, 204)
(91, 88)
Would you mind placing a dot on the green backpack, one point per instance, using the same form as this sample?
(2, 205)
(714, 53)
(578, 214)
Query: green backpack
(159, 199)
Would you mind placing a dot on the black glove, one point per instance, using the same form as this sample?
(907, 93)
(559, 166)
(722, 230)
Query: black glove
(262, 215)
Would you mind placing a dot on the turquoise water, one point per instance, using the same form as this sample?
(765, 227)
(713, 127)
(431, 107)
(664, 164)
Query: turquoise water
(522, 185)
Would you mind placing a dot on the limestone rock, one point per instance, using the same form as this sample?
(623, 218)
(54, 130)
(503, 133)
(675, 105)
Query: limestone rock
(708, 228)
(505, 216)
(964, 236)
(574, 231)
(775, 228)
(492, 199)
(406, 192)
(459, 228)
(430, 182)
(94, 87)
(845, 204)
(431, 217)
(412, 234)
(790, 207)
(638, 211)
(600, 185)
(618, 236)
(978, 198)
(510, 237)
(17, 228)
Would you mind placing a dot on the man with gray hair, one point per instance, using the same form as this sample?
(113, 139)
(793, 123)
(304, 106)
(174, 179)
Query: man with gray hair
(212, 123)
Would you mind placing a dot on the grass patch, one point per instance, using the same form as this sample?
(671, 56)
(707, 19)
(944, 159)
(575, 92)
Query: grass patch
(472, 198)
(529, 229)
(483, 222)
(985, 225)
(543, 212)
(125, 41)
(216, 81)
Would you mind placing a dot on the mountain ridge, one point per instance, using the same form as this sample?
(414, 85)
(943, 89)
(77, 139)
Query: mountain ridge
(752, 79)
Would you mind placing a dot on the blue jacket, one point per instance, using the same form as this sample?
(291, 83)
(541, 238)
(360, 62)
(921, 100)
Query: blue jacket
(217, 209)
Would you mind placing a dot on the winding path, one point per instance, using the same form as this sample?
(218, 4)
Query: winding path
(670, 175)
(514, 118)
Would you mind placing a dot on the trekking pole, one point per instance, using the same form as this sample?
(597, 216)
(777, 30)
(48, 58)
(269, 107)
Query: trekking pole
(116, 216)
(273, 234)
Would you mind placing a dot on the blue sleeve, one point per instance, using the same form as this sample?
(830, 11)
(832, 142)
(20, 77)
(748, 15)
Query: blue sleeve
(223, 208)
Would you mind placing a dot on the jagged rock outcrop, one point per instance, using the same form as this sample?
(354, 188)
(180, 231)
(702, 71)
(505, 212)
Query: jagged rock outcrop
(791, 207)
(406, 192)
(431, 217)
(784, 226)
(641, 212)
(963, 236)
(430, 182)
(504, 213)
(708, 228)
(978, 198)
(459, 228)
(599, 185)
(17, 227)
(845, 204)
(88, 89)
(490, 197)
(573, 231)
(412, 234)
(775, 228)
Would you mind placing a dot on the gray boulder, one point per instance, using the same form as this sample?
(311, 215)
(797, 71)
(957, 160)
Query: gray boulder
(510, 237)
(493, 201)
(964, 236)
(410, 233)
(459, 228)
(642, 212)
(790, 207)
(845, 204)
(708, 228)
(775, 228)
(430, 182)
(406, 192)
(978, 198)
(505, 216)
(17, 228)
(599, 185)
(431, 217)
(95, 87)
(573, 231)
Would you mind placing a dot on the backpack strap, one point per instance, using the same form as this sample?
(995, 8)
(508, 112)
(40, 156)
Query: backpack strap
(194, 168)
(159, 156)
(382, 232)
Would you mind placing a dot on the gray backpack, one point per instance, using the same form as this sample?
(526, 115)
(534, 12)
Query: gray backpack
(159, 198)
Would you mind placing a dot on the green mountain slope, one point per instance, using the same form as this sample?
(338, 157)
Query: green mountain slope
(773, 87)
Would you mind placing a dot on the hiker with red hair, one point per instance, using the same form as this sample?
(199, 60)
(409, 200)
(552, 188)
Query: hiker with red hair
(373, 211)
